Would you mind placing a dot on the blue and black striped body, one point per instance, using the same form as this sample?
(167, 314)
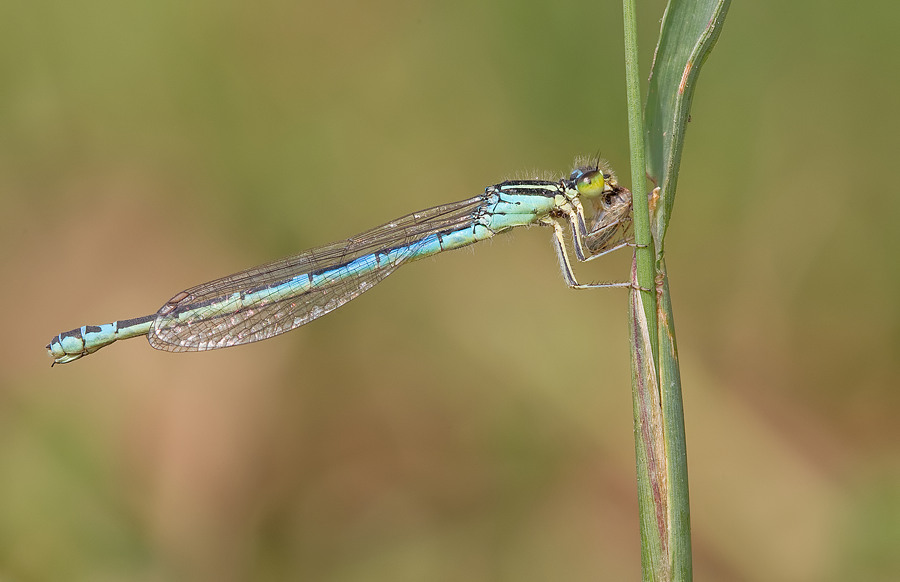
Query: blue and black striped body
(274, 298)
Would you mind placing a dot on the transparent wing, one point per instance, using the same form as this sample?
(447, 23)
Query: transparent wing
(271, 299)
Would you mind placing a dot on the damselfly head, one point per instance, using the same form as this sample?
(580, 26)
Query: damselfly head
(590, 183)
(593, 177)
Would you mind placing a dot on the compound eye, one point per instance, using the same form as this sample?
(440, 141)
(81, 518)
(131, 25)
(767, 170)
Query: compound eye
(591, 184)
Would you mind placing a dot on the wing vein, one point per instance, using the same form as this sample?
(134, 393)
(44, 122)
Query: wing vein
(270, 299)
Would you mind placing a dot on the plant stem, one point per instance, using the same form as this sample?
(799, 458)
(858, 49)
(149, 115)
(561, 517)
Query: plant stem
(644, 253)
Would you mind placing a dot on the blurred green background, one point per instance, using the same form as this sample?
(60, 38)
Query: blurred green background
(471, 417)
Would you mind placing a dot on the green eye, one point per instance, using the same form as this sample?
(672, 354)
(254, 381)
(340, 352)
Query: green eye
(591, 184)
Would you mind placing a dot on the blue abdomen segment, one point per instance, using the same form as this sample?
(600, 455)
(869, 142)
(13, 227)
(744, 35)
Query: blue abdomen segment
(359, 274)
(87, 339)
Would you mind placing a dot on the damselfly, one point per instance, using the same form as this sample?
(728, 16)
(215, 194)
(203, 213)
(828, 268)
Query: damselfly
(265, 301)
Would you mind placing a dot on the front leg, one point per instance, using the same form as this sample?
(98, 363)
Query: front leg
(579, 233)
(564, 263)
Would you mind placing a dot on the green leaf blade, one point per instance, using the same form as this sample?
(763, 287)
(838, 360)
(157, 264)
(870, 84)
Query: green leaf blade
(689, 31)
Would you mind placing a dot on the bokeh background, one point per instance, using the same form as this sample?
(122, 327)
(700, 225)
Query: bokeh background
(469, 419)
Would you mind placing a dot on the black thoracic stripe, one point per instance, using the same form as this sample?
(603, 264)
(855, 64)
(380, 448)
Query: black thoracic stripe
(546, 187)
(539, 183)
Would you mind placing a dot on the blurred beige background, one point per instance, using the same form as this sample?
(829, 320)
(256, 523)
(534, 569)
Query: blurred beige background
(470, 419)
